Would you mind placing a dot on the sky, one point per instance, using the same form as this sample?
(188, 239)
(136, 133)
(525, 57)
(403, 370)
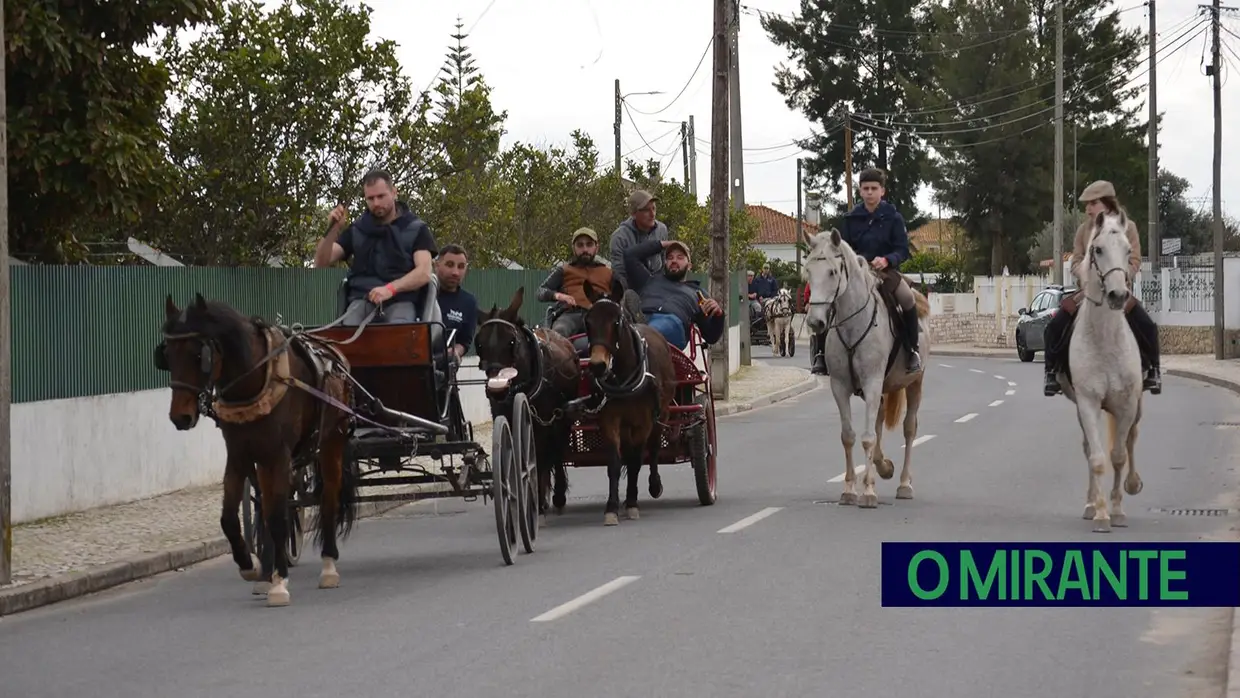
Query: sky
(552, 65)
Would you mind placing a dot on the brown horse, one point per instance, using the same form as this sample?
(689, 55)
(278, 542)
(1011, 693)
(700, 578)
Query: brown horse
(547, 372)
(632, 367)
(238, 371)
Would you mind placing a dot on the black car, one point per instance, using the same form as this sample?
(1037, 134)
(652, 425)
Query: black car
(1034, 319)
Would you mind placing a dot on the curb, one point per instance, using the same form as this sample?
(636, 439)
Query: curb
(769, 398)
(1233, 386)
(68, 586)
(973, 353)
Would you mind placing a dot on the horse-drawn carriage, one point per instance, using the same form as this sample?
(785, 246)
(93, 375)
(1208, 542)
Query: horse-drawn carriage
(407, 407)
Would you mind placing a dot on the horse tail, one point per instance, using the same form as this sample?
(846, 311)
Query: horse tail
(893, 408)
(923, 304)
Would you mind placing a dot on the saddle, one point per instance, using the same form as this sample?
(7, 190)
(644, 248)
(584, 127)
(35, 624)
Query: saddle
(1070, 304)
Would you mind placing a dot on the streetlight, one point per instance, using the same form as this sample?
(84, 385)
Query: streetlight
(620, 101)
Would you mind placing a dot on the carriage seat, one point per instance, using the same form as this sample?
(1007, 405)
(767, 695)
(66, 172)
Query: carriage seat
(581, 343)
(429, 312)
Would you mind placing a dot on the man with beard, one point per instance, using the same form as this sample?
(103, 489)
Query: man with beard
(671, 302)
(391, 250)
(567, 283)
(458, 307)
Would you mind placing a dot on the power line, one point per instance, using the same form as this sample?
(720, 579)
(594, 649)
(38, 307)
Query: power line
(686, 85)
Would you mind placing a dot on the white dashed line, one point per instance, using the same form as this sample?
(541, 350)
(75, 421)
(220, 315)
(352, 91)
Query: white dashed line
(966, 418)
(947, 366)
(861, 468)
(996, 403)
(586, 598)
(749, 520)
(975, 370)
(1010, 392)
(1010, 383)
(1000, 377)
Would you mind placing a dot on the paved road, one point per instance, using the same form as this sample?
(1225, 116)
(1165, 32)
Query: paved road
(788, 606)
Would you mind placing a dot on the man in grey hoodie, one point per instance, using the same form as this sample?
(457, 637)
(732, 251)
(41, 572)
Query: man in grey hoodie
(639, 227)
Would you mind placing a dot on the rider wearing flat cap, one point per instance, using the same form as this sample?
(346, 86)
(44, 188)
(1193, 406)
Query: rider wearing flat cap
(1099, 197)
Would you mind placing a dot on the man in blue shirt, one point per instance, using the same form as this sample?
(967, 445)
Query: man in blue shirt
(876, 231)
(669, 301)
(391, 249)
(458, 306)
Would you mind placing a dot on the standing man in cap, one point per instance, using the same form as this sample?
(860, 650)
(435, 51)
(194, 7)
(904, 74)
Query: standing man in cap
(1099, 197)
(639, 227)
(670, 301)
(565, 285)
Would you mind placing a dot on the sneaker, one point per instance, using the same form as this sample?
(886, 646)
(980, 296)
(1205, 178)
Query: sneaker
(1153, 381)
(1051, 387)
(632, 304)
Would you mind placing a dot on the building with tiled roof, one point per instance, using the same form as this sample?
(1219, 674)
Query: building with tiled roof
(939, 235)
(777, 232)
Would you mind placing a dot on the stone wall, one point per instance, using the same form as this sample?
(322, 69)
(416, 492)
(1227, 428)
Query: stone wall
(1178, 339)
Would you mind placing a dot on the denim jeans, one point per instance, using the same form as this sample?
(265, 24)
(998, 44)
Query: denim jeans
(670, 327)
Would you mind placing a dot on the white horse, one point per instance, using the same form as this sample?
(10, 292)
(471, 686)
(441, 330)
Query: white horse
(858, 353)
(778, 311)
(1105, 366)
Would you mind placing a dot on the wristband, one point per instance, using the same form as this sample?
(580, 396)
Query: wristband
(390, 288)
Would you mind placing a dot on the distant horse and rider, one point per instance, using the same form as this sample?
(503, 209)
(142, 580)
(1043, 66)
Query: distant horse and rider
(777, 312)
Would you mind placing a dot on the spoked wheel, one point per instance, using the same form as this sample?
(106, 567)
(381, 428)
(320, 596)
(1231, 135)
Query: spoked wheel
(502, 490)
(792, 340)
(254, 529)
(525, 471)
(702, 446)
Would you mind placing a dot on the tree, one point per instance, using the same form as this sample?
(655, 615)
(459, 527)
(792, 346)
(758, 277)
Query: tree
(277, 116)
(83, 116)
(1043, 247)
(843, 63)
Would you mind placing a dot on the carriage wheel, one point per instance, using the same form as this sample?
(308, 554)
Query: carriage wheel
(702, 451)
(502, 491)
(792, 339)
(525, 471)
(254, 530)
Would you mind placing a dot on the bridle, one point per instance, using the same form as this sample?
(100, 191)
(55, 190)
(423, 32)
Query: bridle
(638, 380)
(834, 324)
(1097, 270)
(208, 353)
(536, 355)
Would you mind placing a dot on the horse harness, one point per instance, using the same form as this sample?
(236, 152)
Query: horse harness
(832, 324)
(538, 359)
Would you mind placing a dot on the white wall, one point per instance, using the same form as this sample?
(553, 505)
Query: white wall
(786, 253)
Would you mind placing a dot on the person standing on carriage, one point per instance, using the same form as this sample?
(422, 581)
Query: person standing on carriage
(876, 231)
(458, 307)
(566, 284)
(390, 251)
(639, 227)
(1100, 197)
(670, 302)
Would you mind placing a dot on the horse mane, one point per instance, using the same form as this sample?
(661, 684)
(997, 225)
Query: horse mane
(849, 256)
(222, 323)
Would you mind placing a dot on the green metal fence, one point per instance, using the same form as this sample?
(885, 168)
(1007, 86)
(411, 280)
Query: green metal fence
(80, 330)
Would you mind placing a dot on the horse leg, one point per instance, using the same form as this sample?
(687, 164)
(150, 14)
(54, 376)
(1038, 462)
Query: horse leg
(1121, 444)
(273, 477)
(912, 403)
(1133, 484)
(1089, 412)
(847, 438)
(543, 469)
(873, 396)
(632, 464)
(234, 490)
(559, 446)
(1090, 492)
(610, 429)
(331, 470)
(654, 445)
(882, 464)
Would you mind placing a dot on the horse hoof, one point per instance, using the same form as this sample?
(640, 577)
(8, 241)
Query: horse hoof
(542, 520)
(278, 594)
(1102, 526)
(329, 580)
(633, 513)
(261, 588)
(255, 572)
(885, 468)
(868, 501)
(848, 499)
(904, 492)
(1089, 512)
(1119, 520)
(656, 488)
(559, 511)
(1133, 484)
(611, 519)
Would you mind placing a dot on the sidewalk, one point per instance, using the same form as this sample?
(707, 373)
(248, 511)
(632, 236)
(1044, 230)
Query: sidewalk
(68, 556)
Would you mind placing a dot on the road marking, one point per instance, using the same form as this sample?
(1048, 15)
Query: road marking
(966, 418)
(947, 366)
(586, 598)
(1000, 377)
(749, 520)
(1010, 383)
(861, 468)
(1010, 392)
(996, 403)
(976, 370)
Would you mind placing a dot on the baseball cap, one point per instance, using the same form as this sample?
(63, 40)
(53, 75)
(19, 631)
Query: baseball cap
(586, 232)
(639, 199)
(676, 244)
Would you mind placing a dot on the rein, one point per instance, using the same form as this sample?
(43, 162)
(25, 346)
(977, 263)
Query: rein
(1101, 275)
(871, 299)
(638, 380)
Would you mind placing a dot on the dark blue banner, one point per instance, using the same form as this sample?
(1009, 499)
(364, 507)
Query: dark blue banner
(1061, 574)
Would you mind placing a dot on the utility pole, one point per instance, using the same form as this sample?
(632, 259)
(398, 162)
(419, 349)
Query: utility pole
(800, 219)
(848, 181)
(734, 106)
(720, 286)
(619, 176)
(1152, 233)
(6, 373)
(1057, 247)
(684, 149)
(692, 160)
(1219, 348)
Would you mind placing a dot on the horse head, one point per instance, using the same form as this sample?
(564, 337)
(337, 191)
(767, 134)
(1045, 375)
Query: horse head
(829, 267)
(606, 326)
(1107, 256)
(503, 352)
(197, 343)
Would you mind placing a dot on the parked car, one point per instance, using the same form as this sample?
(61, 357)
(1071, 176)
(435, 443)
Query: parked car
(1033, 320)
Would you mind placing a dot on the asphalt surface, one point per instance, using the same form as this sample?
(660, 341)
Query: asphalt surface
(787, 606)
